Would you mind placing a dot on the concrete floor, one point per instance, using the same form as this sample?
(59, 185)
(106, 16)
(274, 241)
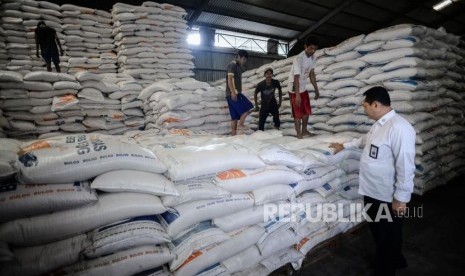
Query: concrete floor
(433, 244)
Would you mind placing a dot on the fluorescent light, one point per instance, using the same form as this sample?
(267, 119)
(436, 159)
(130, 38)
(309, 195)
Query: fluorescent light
(441, 5)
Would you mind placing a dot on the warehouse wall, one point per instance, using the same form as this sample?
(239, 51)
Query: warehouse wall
(210, 62)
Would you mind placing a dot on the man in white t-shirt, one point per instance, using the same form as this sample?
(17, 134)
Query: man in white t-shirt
(303, 71)
(387, 169)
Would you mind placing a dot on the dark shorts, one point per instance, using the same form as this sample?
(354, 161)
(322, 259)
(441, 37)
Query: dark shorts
(49, 56)
(238, 107)
(304, 109)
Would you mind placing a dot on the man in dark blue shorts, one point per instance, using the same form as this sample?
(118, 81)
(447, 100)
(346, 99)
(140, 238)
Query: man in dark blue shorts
(46, 38)
(239, 105)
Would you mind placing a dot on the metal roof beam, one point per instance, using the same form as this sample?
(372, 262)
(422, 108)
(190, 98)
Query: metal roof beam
(268, 7)
(214, 26)
(262, 20)
(195, 15)
(327, 17)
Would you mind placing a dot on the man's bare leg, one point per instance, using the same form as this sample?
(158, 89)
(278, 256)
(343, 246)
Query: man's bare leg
(304, 125)
(49, 66)
(242, 120)
(57, 67)
(233, 127)
(297, 125)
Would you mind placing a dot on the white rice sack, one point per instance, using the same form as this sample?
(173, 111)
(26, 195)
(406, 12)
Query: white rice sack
(24, 200)
(341, 83)
(246, 217)
(345, 46)
(125, 234)
(393, 32)
(317, 177)
(281, 258)
(48, 77)
(64, 224)
(273, 193)
(239, 241)
(366, 47)
(86, 75)
(192, 190)
(350, 193)
(80, 157)
(243, 261)
(282, 238)
(64, 102)
(348, 64)
(191, 84)
(134, 181)
(202, 236)
(411, 85)
(191, 161)
(10, 76)
(43, 259)
(241, 181)
(277, 155)
(157, 86)
(66, 85)
(127, 262)
(335, 185)
(182, 216)
(386, 56)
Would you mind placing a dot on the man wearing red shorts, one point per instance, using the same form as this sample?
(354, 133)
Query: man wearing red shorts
(301, 72)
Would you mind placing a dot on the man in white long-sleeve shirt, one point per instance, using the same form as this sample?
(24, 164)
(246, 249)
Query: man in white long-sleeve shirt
(386, 175)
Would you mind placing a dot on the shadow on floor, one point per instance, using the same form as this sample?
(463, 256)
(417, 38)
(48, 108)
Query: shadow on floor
(433, 244)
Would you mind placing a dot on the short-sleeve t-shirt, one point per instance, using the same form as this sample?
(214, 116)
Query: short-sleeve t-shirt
(302, 65)
(235, 69)
(46, 37)
(267, 92)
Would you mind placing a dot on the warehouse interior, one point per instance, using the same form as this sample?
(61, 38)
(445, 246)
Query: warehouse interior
(126, 162)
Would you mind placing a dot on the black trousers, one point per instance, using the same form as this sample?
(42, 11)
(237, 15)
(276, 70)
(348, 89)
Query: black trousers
(387, 236)
(265, 110)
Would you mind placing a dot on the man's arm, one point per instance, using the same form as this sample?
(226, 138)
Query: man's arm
(58, 43)
(280, 93)
(255, 98)
(403, 149)
(37, 44)
(355, 143)
(315, 85)
(297, 89)
(231, 86)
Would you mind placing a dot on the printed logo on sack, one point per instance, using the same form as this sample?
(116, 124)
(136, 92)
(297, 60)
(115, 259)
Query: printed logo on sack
(28, 159)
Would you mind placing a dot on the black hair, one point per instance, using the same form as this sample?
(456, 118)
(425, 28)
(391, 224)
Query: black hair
(377, 93)
(243, 53)
(311, 40)
(268, 69)
(41, 22)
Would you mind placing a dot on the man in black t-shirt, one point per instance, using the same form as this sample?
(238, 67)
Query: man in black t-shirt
(266, 88)
(46, 38)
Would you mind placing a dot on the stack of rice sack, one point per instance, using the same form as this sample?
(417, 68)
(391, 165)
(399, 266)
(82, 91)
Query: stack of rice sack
(185, 104)
(21, 21)
(217, 221)
(56, 221)
(423, 72)
(418, 66)
(151, 41)
(88, 40)
(109, 102)
(3, 50)
(48, 103)
(120, 215)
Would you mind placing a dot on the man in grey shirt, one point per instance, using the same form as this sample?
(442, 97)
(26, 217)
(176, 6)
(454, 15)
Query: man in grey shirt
(239, 105)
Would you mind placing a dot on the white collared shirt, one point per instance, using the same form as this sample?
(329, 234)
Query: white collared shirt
(387, 165)
(302, 65)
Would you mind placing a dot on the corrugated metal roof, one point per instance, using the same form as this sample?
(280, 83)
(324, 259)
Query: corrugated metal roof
(331, 20)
